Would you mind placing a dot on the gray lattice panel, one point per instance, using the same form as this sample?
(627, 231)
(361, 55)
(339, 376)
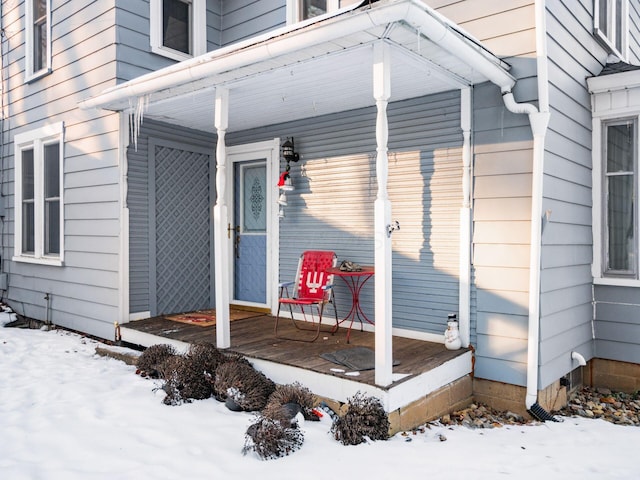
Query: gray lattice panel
(182, 230)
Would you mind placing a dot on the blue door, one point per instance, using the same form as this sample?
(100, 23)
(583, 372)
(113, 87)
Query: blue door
(250, 231)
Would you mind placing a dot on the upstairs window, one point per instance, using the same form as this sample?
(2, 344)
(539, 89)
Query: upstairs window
(611, 25)
(178, 28)
(38, 196)
(38, 38)
(298, 10)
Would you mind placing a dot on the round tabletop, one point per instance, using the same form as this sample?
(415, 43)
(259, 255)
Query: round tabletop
(364, 270)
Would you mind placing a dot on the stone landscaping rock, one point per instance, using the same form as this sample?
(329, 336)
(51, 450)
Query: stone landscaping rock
(616, 407)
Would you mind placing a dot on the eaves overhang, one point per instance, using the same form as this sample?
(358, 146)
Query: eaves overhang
(313, 68)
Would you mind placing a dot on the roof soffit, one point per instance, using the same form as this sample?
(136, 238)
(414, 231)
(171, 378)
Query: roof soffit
(328, 73)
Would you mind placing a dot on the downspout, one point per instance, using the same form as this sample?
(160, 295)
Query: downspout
(539, 120)
(464, 302)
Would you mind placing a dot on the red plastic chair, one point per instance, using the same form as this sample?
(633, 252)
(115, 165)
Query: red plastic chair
(313, 287)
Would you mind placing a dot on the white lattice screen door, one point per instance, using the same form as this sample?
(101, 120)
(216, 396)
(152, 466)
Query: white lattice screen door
(180, 273)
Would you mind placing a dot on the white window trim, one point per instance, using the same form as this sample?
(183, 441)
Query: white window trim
(36, 139)
(294, 10)
(30, 73)
(621, 54)
(599, 228)
(198, 30)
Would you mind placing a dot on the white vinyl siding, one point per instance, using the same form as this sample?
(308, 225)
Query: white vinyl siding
(38, 197)
(178, 28)
(38, 38)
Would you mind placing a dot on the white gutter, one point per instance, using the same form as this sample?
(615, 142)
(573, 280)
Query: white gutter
(304, 35)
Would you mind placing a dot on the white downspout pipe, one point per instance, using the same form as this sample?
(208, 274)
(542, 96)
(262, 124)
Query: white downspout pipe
(464, 302)
(539, 120)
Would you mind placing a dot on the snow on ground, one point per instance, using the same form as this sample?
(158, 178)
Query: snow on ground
(67, 413)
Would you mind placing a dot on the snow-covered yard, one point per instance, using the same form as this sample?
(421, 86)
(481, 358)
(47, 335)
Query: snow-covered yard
(67, 413)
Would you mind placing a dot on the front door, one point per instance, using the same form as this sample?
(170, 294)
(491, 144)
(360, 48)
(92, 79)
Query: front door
(252, 221)
(250, 242)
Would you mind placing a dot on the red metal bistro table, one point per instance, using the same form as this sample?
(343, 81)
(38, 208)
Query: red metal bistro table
(354, 280)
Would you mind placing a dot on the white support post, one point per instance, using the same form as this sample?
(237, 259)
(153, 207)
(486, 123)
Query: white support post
(464, 305)
(220, 219)
(382, 214)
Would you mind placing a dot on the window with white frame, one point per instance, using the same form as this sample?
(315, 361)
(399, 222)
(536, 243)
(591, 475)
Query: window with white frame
(39, 235)
(620, 189)
(611, 25)
(298, 10)
(178, 28)
(38, 38)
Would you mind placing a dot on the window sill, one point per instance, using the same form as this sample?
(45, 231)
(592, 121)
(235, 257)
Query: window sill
(170, 53)
(608, 44)
(36, 75)
(55, 262)
(617, 282)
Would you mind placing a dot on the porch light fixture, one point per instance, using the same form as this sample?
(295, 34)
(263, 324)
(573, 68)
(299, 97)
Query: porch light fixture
(288, 152)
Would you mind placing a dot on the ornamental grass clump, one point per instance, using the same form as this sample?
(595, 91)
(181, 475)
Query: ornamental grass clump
(206, 357)
(150, 361)
(288, 400)
(276, 432)
(189, 377)
(242, 386)
(270, 438)
(365, 418)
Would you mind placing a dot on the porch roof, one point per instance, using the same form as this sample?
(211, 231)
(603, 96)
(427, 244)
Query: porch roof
(312, 68)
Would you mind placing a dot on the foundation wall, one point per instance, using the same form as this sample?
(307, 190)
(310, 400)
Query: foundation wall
(614, 375)
(451, 397)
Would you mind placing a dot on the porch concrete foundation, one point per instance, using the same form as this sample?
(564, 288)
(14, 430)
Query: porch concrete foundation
(453, 396)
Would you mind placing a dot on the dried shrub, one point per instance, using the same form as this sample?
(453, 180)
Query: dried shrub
(365, 417)
(151, 360)
(288, 400)
(206, 357)
(184, 381)
(248, 388)
(270, 439)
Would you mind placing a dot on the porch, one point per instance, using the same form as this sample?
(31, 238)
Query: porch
(424, 371)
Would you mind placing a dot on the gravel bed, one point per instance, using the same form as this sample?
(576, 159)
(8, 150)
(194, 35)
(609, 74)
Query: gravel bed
(616, 407)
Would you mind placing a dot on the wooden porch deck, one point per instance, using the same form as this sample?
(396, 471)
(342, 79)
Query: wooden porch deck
(254, 338)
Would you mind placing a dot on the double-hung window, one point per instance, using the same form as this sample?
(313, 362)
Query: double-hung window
(38, 38)
(178, 28)
(620, 191)
(298, 10)
(38, 202)
(611, 25)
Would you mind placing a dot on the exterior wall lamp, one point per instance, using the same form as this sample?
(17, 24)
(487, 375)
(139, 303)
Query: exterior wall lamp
(289, 154)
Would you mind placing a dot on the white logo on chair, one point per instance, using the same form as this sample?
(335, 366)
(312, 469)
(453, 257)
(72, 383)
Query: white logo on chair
(314, 284)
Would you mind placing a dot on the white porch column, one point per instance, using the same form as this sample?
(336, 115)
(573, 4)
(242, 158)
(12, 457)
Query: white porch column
(464, 302)
(382, 213)
(220, 220)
